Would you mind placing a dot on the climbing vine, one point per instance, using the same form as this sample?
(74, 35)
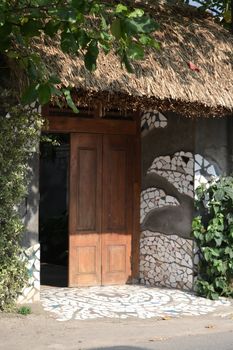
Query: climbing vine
(213, 231)
(19, 135)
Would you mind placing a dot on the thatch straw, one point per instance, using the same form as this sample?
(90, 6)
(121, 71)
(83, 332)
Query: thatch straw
(164, 79)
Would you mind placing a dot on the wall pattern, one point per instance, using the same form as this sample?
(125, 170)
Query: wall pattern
(152, 198)
(31, 292)
(172, 170)
(166, 260)
(177, 169)
(151, 120)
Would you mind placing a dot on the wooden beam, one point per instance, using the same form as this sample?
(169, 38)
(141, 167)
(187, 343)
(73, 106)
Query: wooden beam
(59, 124)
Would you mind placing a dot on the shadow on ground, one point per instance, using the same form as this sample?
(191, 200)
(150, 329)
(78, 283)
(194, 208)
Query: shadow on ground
(122, 347)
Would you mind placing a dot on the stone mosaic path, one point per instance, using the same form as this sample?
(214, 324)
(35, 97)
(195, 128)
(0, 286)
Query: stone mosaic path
(123, 302)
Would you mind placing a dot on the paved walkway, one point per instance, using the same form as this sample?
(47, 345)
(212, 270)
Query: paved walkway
(125, 301)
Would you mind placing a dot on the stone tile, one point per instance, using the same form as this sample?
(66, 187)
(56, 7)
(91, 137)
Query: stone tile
(127, 301)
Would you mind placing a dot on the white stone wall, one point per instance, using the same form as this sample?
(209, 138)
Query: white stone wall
(166, 260)
(153, 198)
(177, 169)
(153, 119)
(31, 292)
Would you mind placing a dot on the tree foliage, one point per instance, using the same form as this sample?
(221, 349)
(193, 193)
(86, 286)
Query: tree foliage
(82, 27)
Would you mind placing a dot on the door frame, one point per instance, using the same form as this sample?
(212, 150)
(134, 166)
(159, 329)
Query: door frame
(67, 122)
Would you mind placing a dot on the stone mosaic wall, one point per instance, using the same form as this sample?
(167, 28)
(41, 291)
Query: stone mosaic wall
(177, 169)
(31, 292)
(166, 260)
(153, 198)
(151, 120)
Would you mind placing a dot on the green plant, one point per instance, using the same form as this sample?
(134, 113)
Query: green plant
(213, 231)
(19, 133)
(24, 310)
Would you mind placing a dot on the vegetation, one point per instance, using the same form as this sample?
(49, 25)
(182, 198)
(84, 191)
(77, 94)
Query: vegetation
(18, 133)
(24, 310)
(82, 27)
(213, 231)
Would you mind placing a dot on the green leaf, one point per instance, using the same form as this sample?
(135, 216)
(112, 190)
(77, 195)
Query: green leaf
(67, 14)
(136, 13)
(218, 241)
(31, 28)
(227, 16)
(116, 29)
(5, 30)
(30, 94)
(143, 25)
(229, 251)
(148, 41)
(82, 38)
(229, 192)
(51, 28)
(54, 79)
(44, 93)
(69, 100)
(55, 91)
(121, 8)
(91, 56)
(68, 42)
(103, 23)
(135, 52)
(79, 4)
(219, 194)
(127, 63)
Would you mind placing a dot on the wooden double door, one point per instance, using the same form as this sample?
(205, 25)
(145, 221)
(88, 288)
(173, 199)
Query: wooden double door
(101, 208)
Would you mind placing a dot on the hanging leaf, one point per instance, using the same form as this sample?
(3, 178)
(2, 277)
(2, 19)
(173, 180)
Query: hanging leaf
(91, 56)
(135, 52)
(69, 100)
(30, 94)
(116, 29)
(44, 93)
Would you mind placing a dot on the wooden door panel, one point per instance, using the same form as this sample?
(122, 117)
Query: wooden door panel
(87, 213)
(117, 209)
(116, 191)
(85, 267)
(85, 210)
(116, 250)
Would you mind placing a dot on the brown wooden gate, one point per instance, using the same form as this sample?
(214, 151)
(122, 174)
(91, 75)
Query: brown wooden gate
(101, 207)
(104, 198)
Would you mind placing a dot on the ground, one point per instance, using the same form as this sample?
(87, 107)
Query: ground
(209, 328)
(40, 331)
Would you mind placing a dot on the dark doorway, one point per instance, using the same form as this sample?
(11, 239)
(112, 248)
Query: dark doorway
(53, 218)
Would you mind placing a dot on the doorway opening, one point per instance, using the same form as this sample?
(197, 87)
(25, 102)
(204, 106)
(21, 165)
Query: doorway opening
(54, 203)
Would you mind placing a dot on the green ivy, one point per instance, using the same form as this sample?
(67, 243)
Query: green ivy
(19, 134)
(213, 231)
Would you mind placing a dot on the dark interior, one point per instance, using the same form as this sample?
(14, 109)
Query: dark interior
(53, 218)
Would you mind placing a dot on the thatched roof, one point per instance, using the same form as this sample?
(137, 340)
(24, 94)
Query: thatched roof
(164, 79)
